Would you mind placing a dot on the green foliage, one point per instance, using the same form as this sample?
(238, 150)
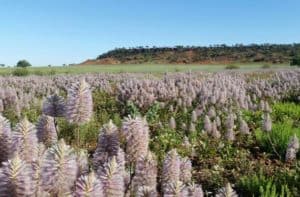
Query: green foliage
(20, 72)
(266, 66)
(250, 185)
(275, 142)
(52, 72)
(253, 118)
(131, 109)
(47, 72)
(32, 113)
(284, 111)
(152, 115)
(23, 64)
(39, 73)
(219, 162)
(106, 108)
(286, 123)
(270, 190)
(83, 136)
(291, 177)
(11, 115)
(66, 130)
(165, 140)
(232, 67)
(295, 61)
(88, 134)
(262, 185)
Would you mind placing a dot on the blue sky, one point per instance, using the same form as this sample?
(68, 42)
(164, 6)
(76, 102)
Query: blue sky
(70, 31)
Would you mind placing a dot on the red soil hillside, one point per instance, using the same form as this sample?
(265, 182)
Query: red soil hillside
(218, 54)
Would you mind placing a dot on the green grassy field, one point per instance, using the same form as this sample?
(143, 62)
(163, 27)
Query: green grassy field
(144, 68)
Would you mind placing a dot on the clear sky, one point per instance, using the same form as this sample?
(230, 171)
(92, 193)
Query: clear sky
(70, 31)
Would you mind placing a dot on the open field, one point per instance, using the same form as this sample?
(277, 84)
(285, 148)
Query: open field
(136, 68)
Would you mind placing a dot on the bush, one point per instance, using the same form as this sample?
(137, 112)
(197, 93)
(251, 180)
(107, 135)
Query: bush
(20, 72)
(52, 72)
(44, 73)
(23, 64)
(284, 111)
(231, 67)
(266, 66)
(295, 61)
(250, 185)
(38, 72)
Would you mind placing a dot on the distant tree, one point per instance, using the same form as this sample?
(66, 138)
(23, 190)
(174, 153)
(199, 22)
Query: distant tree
(295, 61)
(49, 65)
(2, 65)
(23, 64)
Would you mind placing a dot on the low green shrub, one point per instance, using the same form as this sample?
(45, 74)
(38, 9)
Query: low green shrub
(11, 115)
(232, 67)
(152, 114)
(52, 72)
(253, 118)
(32, 113)
(38, 72)
(275, 142)
(106, 107)
(131, 109)
(262, 185)
(295, 61)
(283, 111)
(270, 190)
(266, 66)
(165, 139)
(20, 72)
(250, 185)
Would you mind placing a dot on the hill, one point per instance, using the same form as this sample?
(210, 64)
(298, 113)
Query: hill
(216, 54)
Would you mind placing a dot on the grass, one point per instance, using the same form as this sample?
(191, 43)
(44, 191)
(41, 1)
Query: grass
(135, 68)
(276, 141)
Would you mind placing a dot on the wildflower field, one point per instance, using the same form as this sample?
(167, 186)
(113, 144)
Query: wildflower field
(137, 68)
(181, 134)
